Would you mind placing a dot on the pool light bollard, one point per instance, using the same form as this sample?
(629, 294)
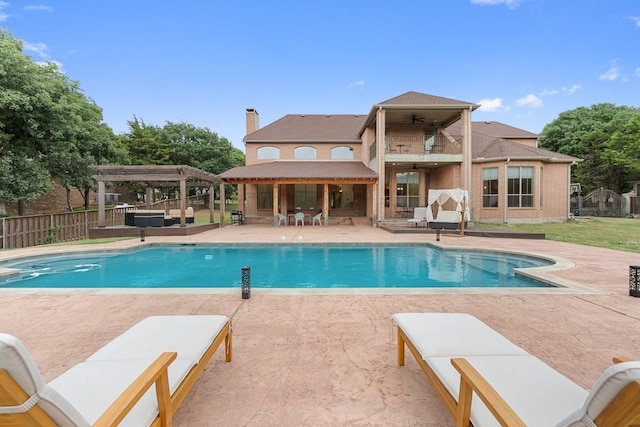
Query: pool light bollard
(246, 282)
(437, 235)
(634, 280)
(142, 235)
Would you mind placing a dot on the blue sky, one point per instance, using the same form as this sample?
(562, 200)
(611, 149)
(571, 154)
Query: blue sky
(203, 62)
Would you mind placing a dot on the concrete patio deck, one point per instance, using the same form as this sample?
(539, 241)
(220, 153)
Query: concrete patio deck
(306, 359)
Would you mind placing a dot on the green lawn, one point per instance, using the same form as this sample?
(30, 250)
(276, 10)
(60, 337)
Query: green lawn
(612, 233)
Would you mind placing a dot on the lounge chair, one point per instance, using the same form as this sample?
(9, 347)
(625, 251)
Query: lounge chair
(115, 385)
(420, 215)
(484, 378)
(317, 217)
(299, 217)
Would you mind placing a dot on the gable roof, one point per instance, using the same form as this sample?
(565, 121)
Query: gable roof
(283, 170)
(501, 130)
(310, 128)
(422, 99)
(491, 149)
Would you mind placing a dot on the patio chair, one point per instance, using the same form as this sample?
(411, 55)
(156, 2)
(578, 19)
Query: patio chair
(281, 218)
(484, 378)
(299, 217)
(114, 385)
(317, 217)
(419, 215)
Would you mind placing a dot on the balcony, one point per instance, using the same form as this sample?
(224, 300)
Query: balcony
(411, 148)
(413, 145)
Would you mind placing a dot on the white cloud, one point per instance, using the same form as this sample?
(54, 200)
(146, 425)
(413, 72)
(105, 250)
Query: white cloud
(571, 90)
(638, 72)
(38, 7)
(3, 16)
(54, 62)
(611, 74)
(511, 4)
(547, 92)
(635, 19)
(39, 49)
(530, 101)
(491, 105)
(359, 83)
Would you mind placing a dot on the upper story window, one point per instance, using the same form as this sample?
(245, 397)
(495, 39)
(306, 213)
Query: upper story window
(304, 153)
(268, 153)
(342, 153)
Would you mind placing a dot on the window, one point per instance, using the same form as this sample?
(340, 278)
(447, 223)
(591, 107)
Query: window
(268, 153)
(304, 153)
(265, 196)
(520, 187)
(490, 188)
(342, 153)
(408, 189)
(305, 196)
(341, 196)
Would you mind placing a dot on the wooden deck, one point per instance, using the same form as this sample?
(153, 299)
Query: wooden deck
(130, 231)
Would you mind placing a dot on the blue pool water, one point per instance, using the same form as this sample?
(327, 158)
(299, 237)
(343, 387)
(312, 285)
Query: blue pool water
(277, 266)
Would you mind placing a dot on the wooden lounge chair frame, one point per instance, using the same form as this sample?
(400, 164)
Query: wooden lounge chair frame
(11, 394)
(622, 411)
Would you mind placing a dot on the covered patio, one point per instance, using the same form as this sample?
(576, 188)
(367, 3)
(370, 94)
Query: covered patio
(283, 176)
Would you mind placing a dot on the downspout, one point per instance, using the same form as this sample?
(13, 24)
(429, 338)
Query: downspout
(505, 217)
(469, 155)
(380, 148)
(569, 213)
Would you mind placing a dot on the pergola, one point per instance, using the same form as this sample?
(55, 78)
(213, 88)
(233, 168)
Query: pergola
(155, 176)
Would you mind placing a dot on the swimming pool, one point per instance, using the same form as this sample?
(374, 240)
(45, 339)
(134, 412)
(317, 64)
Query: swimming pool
(275, 266)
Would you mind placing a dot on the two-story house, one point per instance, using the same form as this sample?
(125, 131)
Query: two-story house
(382, 164)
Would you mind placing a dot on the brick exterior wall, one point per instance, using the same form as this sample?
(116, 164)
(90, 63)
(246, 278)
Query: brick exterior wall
(551, 194)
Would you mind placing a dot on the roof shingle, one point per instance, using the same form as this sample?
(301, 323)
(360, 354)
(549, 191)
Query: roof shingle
(294, 170)
(311, 127)
(417, 98)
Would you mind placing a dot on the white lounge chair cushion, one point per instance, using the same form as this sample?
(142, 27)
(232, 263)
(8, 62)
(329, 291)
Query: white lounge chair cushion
(611, 382)
(419, 215)
(448, 216)
(19, 364)
(540, 395)
(189, 336)
(453, 335)
(92, 386)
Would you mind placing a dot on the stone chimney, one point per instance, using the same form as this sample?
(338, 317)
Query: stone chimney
(252, 120)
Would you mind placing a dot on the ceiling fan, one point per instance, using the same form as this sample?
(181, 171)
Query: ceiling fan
(416, 119)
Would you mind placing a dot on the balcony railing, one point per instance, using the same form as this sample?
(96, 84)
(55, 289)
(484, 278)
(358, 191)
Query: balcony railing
(438, 144)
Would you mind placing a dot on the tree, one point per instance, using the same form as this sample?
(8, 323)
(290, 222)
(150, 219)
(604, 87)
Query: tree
(622, 153)
(180, 144)
(144, 144)
(586, 133)
(47, 125)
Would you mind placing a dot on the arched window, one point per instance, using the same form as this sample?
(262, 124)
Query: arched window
(304, 153)
(268, 153)
(342, 153)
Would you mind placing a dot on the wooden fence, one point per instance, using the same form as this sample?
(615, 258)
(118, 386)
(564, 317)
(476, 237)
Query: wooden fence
(33, 230)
